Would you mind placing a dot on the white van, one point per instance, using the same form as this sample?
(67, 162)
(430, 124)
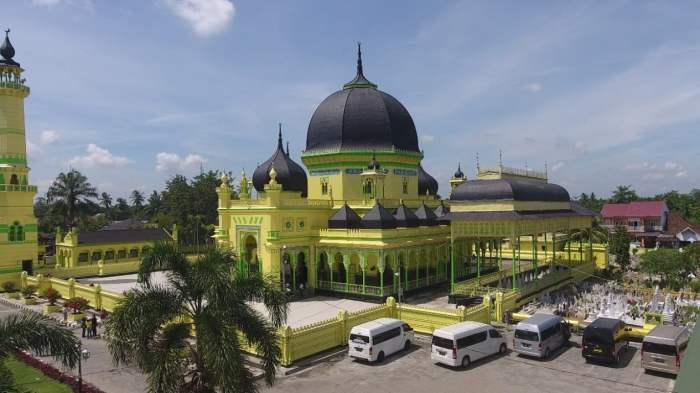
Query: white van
(377, 339)
(540, 335)
(466, 342)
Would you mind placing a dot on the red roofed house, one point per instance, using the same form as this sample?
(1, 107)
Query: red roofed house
(645, 220)
(679, 231)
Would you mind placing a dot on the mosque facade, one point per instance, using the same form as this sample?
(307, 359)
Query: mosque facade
(362, 216)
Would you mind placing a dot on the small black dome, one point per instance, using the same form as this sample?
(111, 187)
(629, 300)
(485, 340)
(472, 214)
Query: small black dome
(405, 218)
(344, 218)
(426, 182)
(426, 217)
(290, 175)
(7, 51)
(458, 174)
(378, 218)
(361, 117)
(373, 164)
(510, 189)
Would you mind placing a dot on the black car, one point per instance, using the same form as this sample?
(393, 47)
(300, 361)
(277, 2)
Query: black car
(604, 340)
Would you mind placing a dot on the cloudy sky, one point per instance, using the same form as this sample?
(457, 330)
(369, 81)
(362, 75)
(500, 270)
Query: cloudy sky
(133, 91)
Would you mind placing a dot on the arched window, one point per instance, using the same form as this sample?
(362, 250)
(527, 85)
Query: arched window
(405, 185)
(16, 232)
(14, 179)
(324, 186)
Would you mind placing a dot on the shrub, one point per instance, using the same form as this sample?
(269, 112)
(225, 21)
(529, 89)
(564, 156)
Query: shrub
(9, 286)
(28, 291)
(77, 304)
(54, 373)
(51, 295)
(695, 285)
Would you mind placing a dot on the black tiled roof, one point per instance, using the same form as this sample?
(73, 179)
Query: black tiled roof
(426, 216)
(405, 218)
(123, 236)
(378, 218)
(344, 218)
(510, 189)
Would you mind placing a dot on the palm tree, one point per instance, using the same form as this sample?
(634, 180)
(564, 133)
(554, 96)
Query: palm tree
(105, 201)
(38, 333)
(597, 233)
(624, 194)
(137, 199)
(153, 326)
(73, 193)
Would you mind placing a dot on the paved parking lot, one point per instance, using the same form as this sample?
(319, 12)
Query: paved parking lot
(565, 372)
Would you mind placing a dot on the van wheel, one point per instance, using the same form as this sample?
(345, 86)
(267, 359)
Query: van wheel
(466, 362)
(407, 346)
(546, 353)
(380, 357)
(502, 350)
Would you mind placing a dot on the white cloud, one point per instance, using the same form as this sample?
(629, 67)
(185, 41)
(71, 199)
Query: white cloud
(427, 138)
(48, 137)
(33, 148)
(533, 87)
(682, 173)
(171, 162)
(45, 2)
(671, 165)
(206, 17)
(97, 156)
(557, 166)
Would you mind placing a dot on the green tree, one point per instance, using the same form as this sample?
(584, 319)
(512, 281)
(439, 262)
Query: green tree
(121, 210)
(74, 194)
(624, 194)
(597, 233)
(620, 246)
(152, 326)
(137, 200)
(105, 203)
(671, 265)
(154, 205)
(38, 333)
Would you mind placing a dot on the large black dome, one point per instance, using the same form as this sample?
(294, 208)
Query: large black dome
(510, 189)
(361, 117)
(290, 175)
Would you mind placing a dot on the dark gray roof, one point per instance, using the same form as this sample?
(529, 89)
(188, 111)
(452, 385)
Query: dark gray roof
(344, 218)
(513, 215)
(130, 223)
(123, 236)
(441, 210)
(290, 175)
(378, 218)
(426, 216)
(426, 182)
(405, 218)
(510, 189)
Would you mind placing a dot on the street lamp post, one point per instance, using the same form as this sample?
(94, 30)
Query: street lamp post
(398, 274)
(282, 269)
(84, 354)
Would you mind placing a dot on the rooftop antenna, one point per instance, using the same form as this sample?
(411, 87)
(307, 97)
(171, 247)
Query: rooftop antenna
(477, 162)
(545, 170)
(500, 158)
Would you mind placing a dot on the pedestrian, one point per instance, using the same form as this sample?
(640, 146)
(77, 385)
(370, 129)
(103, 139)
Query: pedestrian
(94, 325)
(65, 315)
(88, 326)
(83, 324)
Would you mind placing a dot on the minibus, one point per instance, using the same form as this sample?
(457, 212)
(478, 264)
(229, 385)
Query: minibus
(663, 348)
(604, 339)
(540, 335)
(465, 342)
(374, 340)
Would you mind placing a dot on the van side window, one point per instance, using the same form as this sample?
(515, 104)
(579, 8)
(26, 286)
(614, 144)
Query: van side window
(494, 333)
(471, 340)
(550, 331)
(388, 335)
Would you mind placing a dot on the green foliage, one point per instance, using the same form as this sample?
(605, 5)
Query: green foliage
(9, 286)
(28, 291)
(24, 375)
(51, 295)
(671, 265)
(73, 194)
(624, 194)
(152, 326)
(620, 246)
(591, 202)
(77, 304)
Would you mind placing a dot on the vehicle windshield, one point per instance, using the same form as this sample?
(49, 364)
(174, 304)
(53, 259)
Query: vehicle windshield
(443, 342)
(597, 336)
(527, 335)
(661, 349)
(358, 338)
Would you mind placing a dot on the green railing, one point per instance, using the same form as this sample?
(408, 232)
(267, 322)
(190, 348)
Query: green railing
(17, 187)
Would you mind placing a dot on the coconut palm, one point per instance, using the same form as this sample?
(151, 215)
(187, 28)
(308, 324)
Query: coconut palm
(73, 193)
(105, 201)
(597, 233)
(153, 326)
(624, 194)
(38, 333)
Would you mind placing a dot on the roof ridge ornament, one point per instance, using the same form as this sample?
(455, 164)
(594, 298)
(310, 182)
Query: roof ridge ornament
(360, 80)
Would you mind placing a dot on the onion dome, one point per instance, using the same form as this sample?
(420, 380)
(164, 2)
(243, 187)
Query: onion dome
(441, 210)
(405, 218)
(344, 218)
(426, 217)
(458, 174)
(426, 183)
(510, 189)
(374, 164)
(361, 117)
(7, 51)
(290, 175)
(378, 218)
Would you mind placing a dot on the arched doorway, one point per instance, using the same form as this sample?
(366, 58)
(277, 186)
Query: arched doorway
(338, 262)
(324, 271)
(388, 276)
(301, 271)
(250, 265)
(286, 271)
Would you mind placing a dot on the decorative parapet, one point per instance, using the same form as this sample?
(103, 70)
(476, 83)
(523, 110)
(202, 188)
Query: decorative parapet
(17, 188)
(273, 235)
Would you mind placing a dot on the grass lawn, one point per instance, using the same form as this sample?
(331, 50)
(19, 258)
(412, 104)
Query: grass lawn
(28, 378)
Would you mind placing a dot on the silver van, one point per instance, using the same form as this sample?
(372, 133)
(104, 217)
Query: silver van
(540, 335)
(663, 348)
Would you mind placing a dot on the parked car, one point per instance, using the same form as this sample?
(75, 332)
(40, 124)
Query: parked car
(375, 340)
(466, 342)
(604, 339)
(663, 348)
(540, 335)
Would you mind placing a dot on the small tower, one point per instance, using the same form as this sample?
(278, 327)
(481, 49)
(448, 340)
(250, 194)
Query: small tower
(18, 243)
(458, 178)
(243, 187)
(373, 180)
(224, 191)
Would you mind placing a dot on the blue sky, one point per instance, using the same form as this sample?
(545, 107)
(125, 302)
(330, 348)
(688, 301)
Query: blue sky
(133, 91)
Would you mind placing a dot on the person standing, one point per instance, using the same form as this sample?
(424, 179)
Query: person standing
(65, 315)
(83, 324)
(94, 325)
(88, 326)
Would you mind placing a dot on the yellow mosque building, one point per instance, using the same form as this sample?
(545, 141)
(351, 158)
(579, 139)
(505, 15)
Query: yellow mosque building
(18, 226)
(363, 218)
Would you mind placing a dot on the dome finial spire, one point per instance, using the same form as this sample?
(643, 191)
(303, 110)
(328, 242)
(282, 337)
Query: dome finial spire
(359, 58)
(279, 137)
(360, 80)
